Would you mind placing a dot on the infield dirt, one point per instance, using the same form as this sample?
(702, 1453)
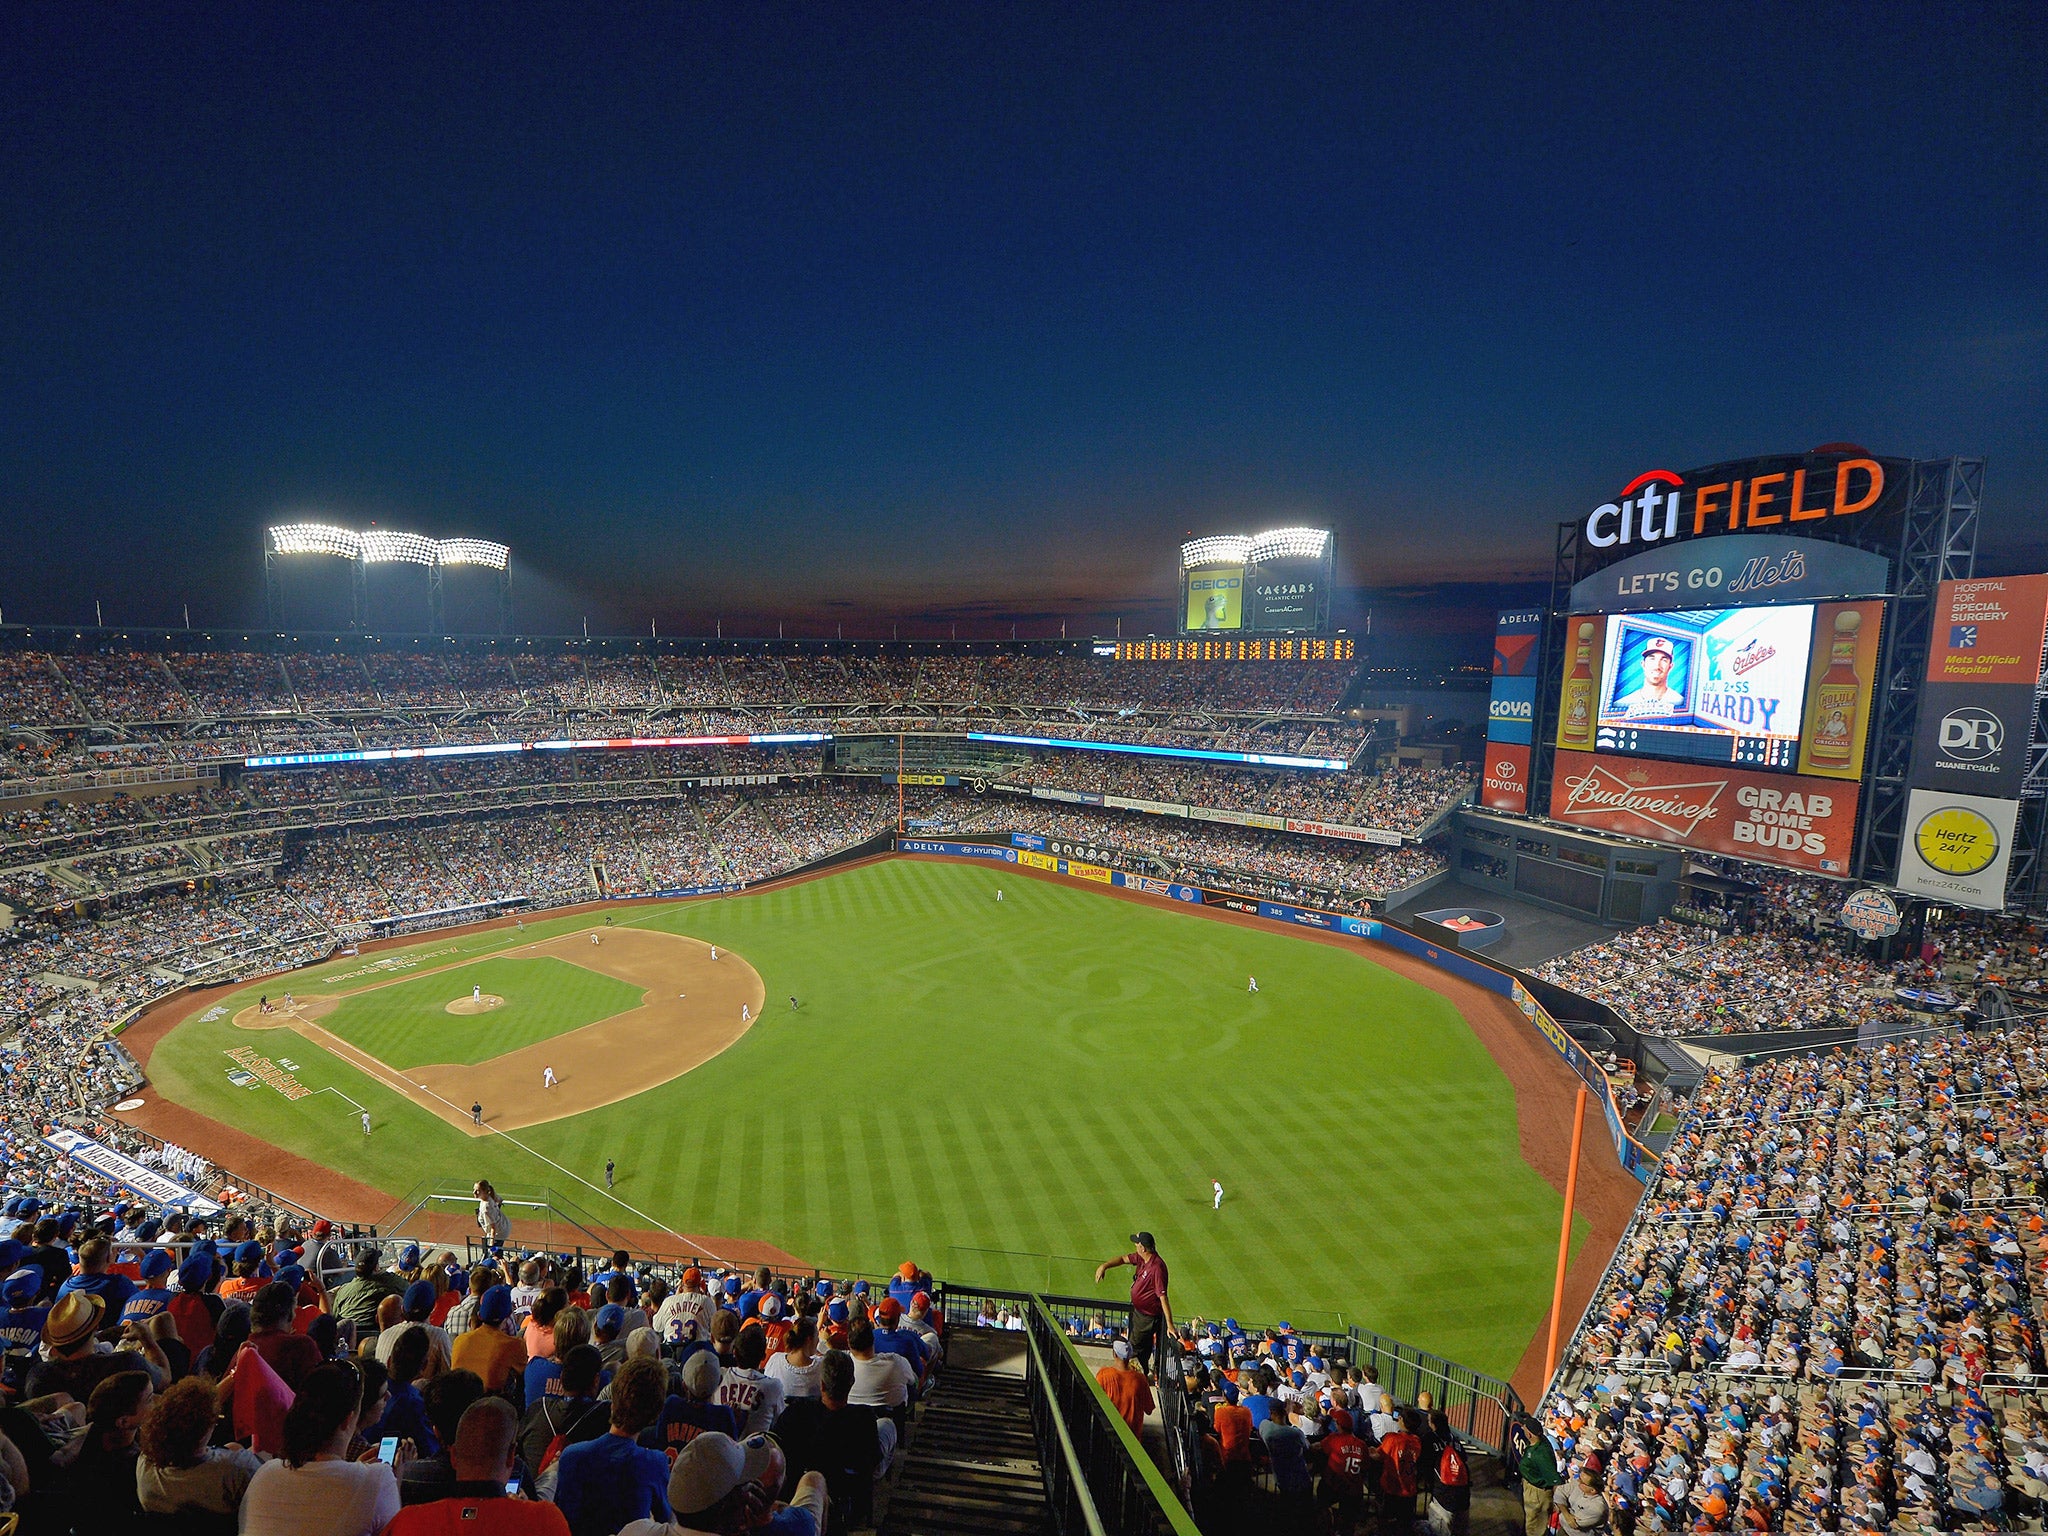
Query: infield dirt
(692, 1010)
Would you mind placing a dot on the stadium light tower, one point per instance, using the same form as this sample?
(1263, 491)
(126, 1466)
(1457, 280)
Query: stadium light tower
(381, 546)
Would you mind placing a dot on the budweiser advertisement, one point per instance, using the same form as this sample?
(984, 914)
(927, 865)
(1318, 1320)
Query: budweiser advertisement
(1774, 818)
(1506, 786)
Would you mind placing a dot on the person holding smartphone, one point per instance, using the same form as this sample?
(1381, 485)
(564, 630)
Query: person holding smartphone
(314, 1489)
(484, 1498)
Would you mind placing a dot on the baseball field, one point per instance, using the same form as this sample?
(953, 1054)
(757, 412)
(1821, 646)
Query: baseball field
(1000, 1090)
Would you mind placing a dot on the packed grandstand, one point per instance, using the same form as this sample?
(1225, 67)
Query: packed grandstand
(1825, 1315)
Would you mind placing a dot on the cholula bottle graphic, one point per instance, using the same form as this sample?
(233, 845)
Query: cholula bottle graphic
(1834, 700)
(1577, 728)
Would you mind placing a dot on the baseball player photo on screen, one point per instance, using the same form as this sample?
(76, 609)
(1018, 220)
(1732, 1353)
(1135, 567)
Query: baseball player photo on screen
(1716, 684)
(1648, 678)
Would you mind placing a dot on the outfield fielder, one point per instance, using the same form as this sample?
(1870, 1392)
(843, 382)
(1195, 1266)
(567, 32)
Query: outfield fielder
(1218, 1184)
(1253, 984)
(366, 1122)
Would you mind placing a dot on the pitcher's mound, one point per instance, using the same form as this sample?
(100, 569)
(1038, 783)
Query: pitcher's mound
(484, 1004)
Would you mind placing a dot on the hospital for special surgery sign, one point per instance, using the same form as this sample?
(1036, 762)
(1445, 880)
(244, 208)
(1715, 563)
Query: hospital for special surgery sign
(1803, 823)
(108, 1163)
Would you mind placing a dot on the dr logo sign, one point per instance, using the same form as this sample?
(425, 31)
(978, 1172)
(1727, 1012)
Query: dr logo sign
(1799, 493)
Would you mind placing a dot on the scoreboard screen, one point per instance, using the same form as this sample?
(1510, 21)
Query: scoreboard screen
(1300, 648)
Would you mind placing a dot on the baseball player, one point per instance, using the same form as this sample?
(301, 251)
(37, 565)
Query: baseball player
(1252, 984)
(1217, 1185)
(593, 938)
(476, 1113)
(610, 1169)
(746, 1013)
(1656, 696)
(999, 893)
(366, 1122)
(476, 994)
(714, 951)
(547, 1077)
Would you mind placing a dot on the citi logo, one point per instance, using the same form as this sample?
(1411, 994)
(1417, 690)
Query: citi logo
(1971, 735)
(1652, 507)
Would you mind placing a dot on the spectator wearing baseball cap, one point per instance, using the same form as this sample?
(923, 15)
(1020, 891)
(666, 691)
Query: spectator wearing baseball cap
(1123, 1382)
(488, 1349)
(723, 1484)
(482, 1456)
(687, 1301)
(904, 1285)
(1150, 1306)
(153, 1295)
(246, 1278)
(21, 1321)
(893, 1338)
(415, 1307)
(692, 1412)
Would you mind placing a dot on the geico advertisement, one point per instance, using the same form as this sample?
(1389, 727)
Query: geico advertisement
(1776, 818)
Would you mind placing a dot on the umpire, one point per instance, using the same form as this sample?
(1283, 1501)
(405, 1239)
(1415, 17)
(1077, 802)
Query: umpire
(1149, 1306)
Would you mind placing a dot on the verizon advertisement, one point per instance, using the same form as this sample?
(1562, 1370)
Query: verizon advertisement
(1801, 823)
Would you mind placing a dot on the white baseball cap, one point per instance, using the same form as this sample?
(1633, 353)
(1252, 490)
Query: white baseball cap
(711, 1466)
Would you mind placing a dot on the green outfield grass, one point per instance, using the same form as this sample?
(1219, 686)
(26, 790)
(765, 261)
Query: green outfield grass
(407, 1024)
(1005, 1091)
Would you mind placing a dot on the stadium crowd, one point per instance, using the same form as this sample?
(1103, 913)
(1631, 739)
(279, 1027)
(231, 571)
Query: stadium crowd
(1279, 865)
(114, 686)
(1398, 800)
(270, 1375)
(1827, 1312)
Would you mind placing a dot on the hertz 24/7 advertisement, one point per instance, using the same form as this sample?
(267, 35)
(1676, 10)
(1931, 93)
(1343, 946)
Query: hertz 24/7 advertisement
(1773, 818)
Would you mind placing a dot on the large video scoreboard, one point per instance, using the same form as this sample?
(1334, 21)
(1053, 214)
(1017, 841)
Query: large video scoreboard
(1274, 583)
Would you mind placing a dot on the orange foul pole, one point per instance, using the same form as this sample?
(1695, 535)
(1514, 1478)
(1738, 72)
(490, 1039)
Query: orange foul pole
(1564, 1237)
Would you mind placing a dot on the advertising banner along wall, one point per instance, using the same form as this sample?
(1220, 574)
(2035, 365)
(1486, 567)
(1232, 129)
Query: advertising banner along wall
(1971, 739)
(1511, 710)
(1802, 823)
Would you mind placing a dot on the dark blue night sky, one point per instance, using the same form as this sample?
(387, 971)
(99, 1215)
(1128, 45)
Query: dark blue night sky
(872, 314)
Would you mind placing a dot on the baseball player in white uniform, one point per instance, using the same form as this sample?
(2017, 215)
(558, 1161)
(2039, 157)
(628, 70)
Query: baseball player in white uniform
(1217, 1185)
(1251, 984)
(547, 1077)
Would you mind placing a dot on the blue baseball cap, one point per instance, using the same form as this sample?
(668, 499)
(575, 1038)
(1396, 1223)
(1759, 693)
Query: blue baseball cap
(195, 1272)
(825, 1290)
(836, 1311)
(732, 1285)
(10, 1255)
(410, 1256)
(293, 1275)
(250, 1252)
(419, 1296)
(495, 1305)
(21, 1287)
(611, 1316)
(156, 1262)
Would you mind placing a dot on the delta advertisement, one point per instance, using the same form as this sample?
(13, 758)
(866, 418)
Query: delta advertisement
(1971, 739)
(957, 850)
(1776, 819)
(1511, 709)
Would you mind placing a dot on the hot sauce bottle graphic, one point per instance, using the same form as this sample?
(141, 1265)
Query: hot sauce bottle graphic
(1578, 693)
(1834, 700)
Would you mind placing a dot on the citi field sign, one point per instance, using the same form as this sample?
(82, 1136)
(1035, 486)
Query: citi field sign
(1824, 494)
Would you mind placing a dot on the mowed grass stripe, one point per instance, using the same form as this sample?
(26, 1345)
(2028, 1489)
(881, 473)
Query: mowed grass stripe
(1040, 1076)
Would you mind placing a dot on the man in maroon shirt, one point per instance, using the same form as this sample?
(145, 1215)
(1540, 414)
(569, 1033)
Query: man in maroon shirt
(1149, 1306)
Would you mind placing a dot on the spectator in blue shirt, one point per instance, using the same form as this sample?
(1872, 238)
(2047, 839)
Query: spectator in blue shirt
(154, 1296)
(95, 1254)
(891, 1337)
(21, 1321)
(607, 1482)
(405, 1409)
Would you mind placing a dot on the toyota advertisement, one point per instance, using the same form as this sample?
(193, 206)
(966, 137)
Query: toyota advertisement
(1511, 709)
